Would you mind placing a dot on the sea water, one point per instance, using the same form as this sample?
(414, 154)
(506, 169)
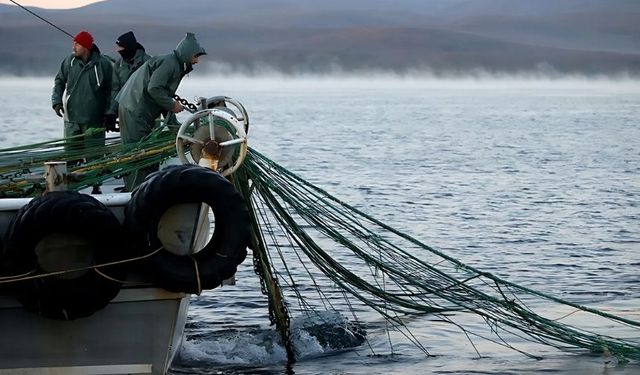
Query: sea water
(534, 180)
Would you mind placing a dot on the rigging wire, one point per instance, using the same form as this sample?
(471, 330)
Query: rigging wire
(36, 15)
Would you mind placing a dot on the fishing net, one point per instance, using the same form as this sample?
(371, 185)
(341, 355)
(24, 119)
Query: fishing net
(22, 167)
(307, 242)
(305, 230)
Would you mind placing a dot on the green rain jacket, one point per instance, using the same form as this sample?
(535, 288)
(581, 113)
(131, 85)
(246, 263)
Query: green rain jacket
(86, 88)
(122, 70)
(150, 89)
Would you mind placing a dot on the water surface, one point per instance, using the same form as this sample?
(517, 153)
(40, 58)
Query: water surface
(535, 181)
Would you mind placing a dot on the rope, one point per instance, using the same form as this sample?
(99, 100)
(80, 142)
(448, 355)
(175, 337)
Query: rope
(15, 276)
(93, 267)
(111, 278)
(198, 283)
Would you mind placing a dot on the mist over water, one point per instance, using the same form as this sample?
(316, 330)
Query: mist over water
(331, 37)
(418, 78)
(532, 178)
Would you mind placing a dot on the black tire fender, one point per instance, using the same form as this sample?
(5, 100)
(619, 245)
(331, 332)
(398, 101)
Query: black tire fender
(65, 213)
(226, 249)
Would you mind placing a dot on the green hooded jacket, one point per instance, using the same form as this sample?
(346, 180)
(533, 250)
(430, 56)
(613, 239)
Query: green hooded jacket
(150, 89)
(86, 88)
(122, 70)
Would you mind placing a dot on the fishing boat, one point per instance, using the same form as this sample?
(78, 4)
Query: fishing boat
(100, 284)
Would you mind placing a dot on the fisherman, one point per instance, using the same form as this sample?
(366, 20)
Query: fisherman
(132, 56)
(149, 93)
(85, 79)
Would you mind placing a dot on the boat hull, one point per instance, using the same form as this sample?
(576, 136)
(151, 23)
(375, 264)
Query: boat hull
(139, 332)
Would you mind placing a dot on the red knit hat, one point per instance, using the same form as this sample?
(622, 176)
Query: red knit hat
(84, 39)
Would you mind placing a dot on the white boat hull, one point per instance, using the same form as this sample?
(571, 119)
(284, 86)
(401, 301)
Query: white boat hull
(139, 332)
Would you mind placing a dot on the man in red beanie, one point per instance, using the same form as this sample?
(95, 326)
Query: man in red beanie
(84, 39)
(85, 80)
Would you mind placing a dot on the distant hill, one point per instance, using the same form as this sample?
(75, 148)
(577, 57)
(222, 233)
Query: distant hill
(568, 36)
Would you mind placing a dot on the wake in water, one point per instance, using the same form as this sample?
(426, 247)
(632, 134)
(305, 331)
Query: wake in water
(321, 334)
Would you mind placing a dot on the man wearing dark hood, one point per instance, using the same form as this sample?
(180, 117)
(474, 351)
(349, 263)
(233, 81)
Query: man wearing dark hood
(149, 92)
(132, 56)
(85, 80)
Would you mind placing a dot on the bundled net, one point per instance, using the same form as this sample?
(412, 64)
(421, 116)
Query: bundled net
(22, 168)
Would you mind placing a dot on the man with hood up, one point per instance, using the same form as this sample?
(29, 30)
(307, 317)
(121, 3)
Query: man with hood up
(149, 92)
(85, 80)
(132, 56)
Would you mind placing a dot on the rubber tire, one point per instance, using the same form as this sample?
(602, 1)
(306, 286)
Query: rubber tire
(74, 213)
(189, 184)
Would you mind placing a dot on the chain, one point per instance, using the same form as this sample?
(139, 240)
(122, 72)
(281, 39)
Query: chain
(258, 271)
(269, 285)
(263, 273)
(192, 107)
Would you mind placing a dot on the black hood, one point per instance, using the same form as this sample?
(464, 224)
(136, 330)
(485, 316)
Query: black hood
(130, 44)
(127, 41)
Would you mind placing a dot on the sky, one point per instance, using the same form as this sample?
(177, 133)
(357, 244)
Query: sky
(52, 4)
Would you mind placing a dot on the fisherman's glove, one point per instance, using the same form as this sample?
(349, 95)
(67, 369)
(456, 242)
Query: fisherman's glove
(58, 109)
(109, 123)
